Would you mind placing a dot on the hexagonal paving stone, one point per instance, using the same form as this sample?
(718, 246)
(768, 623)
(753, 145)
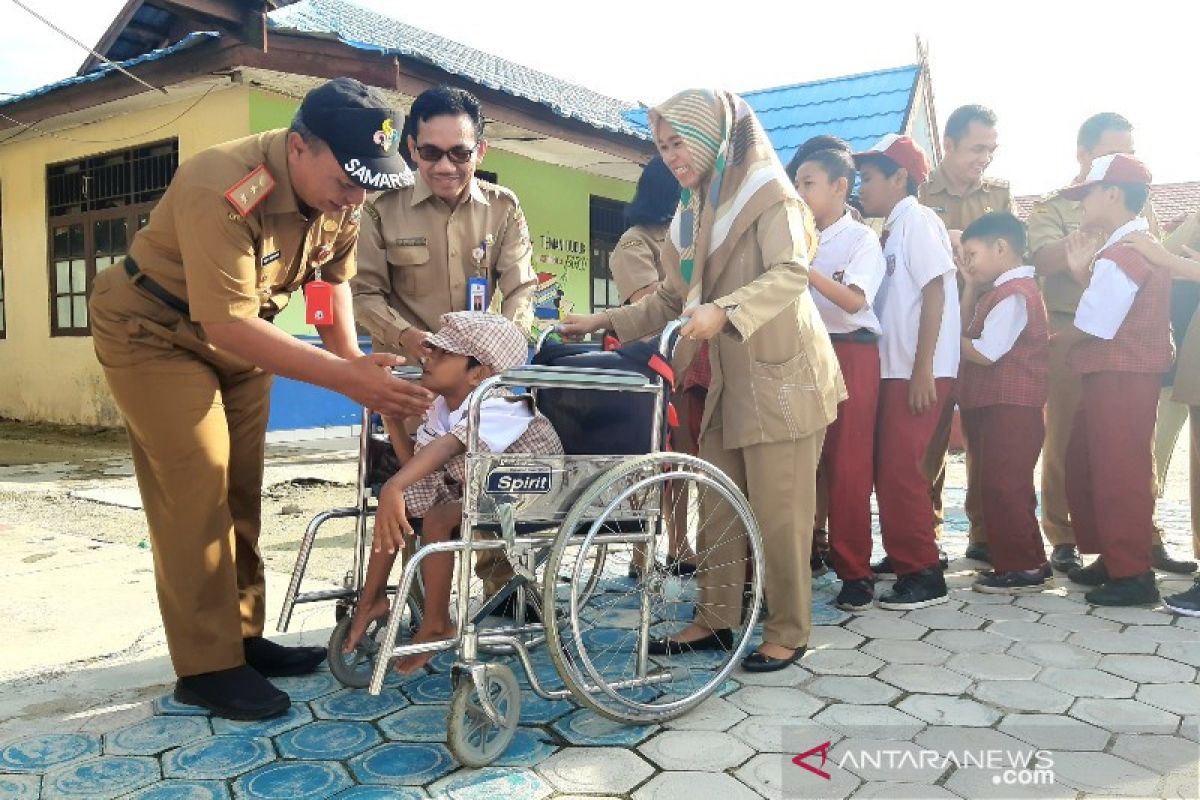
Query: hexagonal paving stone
(100, 778)
(961, 741)
(335, 740)
(1077, 622)
(903, 652)
(359, 704)
(1105, 642)
(967, 596)
(992, 666)
(383, 793)
(587, 727)
(673, 785)
(1027, 631)
(1104, 774)
(707, 751)
(289, 780)
(878, 759)
(21, 787)
(1162, 754)
(423, 723)
(980, 782)
(1086, 682)
(879, 627)
(217, 757)
(1055, 654)
(528, 748)
(772, 734)
(925, 679)
(295, 716)
(304, 688)
(902, 791)
(1183, 652)
(1022, 696)
(167, 705)
(968, 641)
(1000, 613)
(942, 710)
(1054, 732)
(493, 782)
(841, 662)
(595, 770)
(714, 714)
(1148, 669)
(403, 764)
(765, 774)
(775, 700)
(1178, 698)
(430, 689)
(868, 691)
(182, 790)
(833, 637)
(878, 722)
(790, 676)
(40, 753)
(1051, 603)
(1133, 616)
(1165, 634)
(1124, 716)
(943, 619)
(538, 711)
(155, 735)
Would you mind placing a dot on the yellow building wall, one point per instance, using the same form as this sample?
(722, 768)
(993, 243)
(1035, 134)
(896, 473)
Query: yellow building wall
(57, 379)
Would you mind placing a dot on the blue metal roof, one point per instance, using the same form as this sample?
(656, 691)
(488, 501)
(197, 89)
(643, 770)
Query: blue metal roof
(368, 30)
(858, 108)
(191, 40)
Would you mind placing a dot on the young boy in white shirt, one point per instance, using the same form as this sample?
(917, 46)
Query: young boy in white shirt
(917, 306)
(845, 277)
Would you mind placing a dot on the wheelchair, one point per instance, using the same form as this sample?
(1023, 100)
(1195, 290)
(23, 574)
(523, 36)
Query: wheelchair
(585, 534)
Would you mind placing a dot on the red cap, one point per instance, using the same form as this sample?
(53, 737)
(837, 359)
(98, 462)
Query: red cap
(1116, 168)
(902, 150)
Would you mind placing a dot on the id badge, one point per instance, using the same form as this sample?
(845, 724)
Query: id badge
(318, 303)
(477, 294)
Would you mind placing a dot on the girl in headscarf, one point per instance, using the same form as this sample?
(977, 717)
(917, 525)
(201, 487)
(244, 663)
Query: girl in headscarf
(736, 267)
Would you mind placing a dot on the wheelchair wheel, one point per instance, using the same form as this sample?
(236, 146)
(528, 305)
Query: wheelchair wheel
(595, 639)
(473, 738)
(354, 669)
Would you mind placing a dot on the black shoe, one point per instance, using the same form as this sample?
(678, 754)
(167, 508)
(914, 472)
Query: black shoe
(1065, 558)
(1094, 574)
(926, 587)
(1186, 603)
(720, 639)
(508, 608)
(1013, 582)
(237, 693)
(1047, 570)
(856, 595)
(1138, 590)
(884, 565)
(757, 662)
(679, 567)
(978, 551)
(1161, 559)
(274, 660)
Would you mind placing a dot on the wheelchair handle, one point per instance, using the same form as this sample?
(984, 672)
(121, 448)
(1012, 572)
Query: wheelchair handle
(544, 335)
(667, 340)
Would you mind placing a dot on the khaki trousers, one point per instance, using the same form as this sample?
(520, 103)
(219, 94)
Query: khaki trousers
(779, 478)
(1063, 400)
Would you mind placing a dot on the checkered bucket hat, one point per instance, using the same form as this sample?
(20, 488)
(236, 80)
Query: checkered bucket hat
(491, 339)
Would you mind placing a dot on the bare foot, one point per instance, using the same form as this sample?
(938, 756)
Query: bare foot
(410, 664)
(364, 615)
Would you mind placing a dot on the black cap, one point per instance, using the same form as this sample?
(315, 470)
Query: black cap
(362, 129)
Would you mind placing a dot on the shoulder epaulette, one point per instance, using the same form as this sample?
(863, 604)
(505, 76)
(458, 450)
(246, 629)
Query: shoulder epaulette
(999, 183)
(372, 211)
(246, 194)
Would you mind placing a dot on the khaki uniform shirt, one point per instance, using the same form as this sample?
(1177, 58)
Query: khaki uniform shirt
(1052, 219)
(959, 211)
(417, 254)
(636, 261)
(228, 265)
(775, 377)
(1187, 360)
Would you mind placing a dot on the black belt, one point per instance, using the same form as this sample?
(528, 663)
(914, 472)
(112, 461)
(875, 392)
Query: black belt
(860, 336)
(141, 279)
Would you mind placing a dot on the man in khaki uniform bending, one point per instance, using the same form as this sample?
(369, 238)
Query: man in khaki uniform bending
(183, 331)
(960, 193)
(448, 242)
(1053, 222)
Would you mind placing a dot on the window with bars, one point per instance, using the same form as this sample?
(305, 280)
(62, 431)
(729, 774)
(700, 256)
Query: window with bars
(607, 221)
(94, 206)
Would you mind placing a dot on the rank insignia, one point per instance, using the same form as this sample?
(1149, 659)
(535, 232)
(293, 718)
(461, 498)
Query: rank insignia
(246, 194)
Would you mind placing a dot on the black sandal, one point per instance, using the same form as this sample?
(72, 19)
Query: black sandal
(759, 662)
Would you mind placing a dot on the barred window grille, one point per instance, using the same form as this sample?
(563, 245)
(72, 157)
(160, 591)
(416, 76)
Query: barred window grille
(607, 223)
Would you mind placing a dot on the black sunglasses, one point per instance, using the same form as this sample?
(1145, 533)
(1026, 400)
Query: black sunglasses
(459, 154)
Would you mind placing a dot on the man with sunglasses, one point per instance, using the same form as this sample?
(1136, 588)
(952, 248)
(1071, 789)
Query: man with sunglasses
(450, 242)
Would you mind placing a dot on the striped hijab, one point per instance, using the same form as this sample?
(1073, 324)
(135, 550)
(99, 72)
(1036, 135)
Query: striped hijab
(742, 179)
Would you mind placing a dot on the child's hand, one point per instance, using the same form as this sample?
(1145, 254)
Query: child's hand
(704, 322)
(391, 519)
(922, 392)
(1082, 246)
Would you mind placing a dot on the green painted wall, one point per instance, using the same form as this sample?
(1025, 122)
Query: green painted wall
(555, 199)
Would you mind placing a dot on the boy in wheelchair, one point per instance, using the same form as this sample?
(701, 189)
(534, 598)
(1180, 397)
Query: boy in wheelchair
(469, 348)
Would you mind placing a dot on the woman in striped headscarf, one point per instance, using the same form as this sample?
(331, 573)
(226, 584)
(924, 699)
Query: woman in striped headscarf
(736, 265)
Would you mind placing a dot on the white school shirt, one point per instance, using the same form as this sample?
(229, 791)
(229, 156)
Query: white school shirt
(1109, 294)
(501, 422)
(917, 251)
(849, 254)
(1004, 323)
